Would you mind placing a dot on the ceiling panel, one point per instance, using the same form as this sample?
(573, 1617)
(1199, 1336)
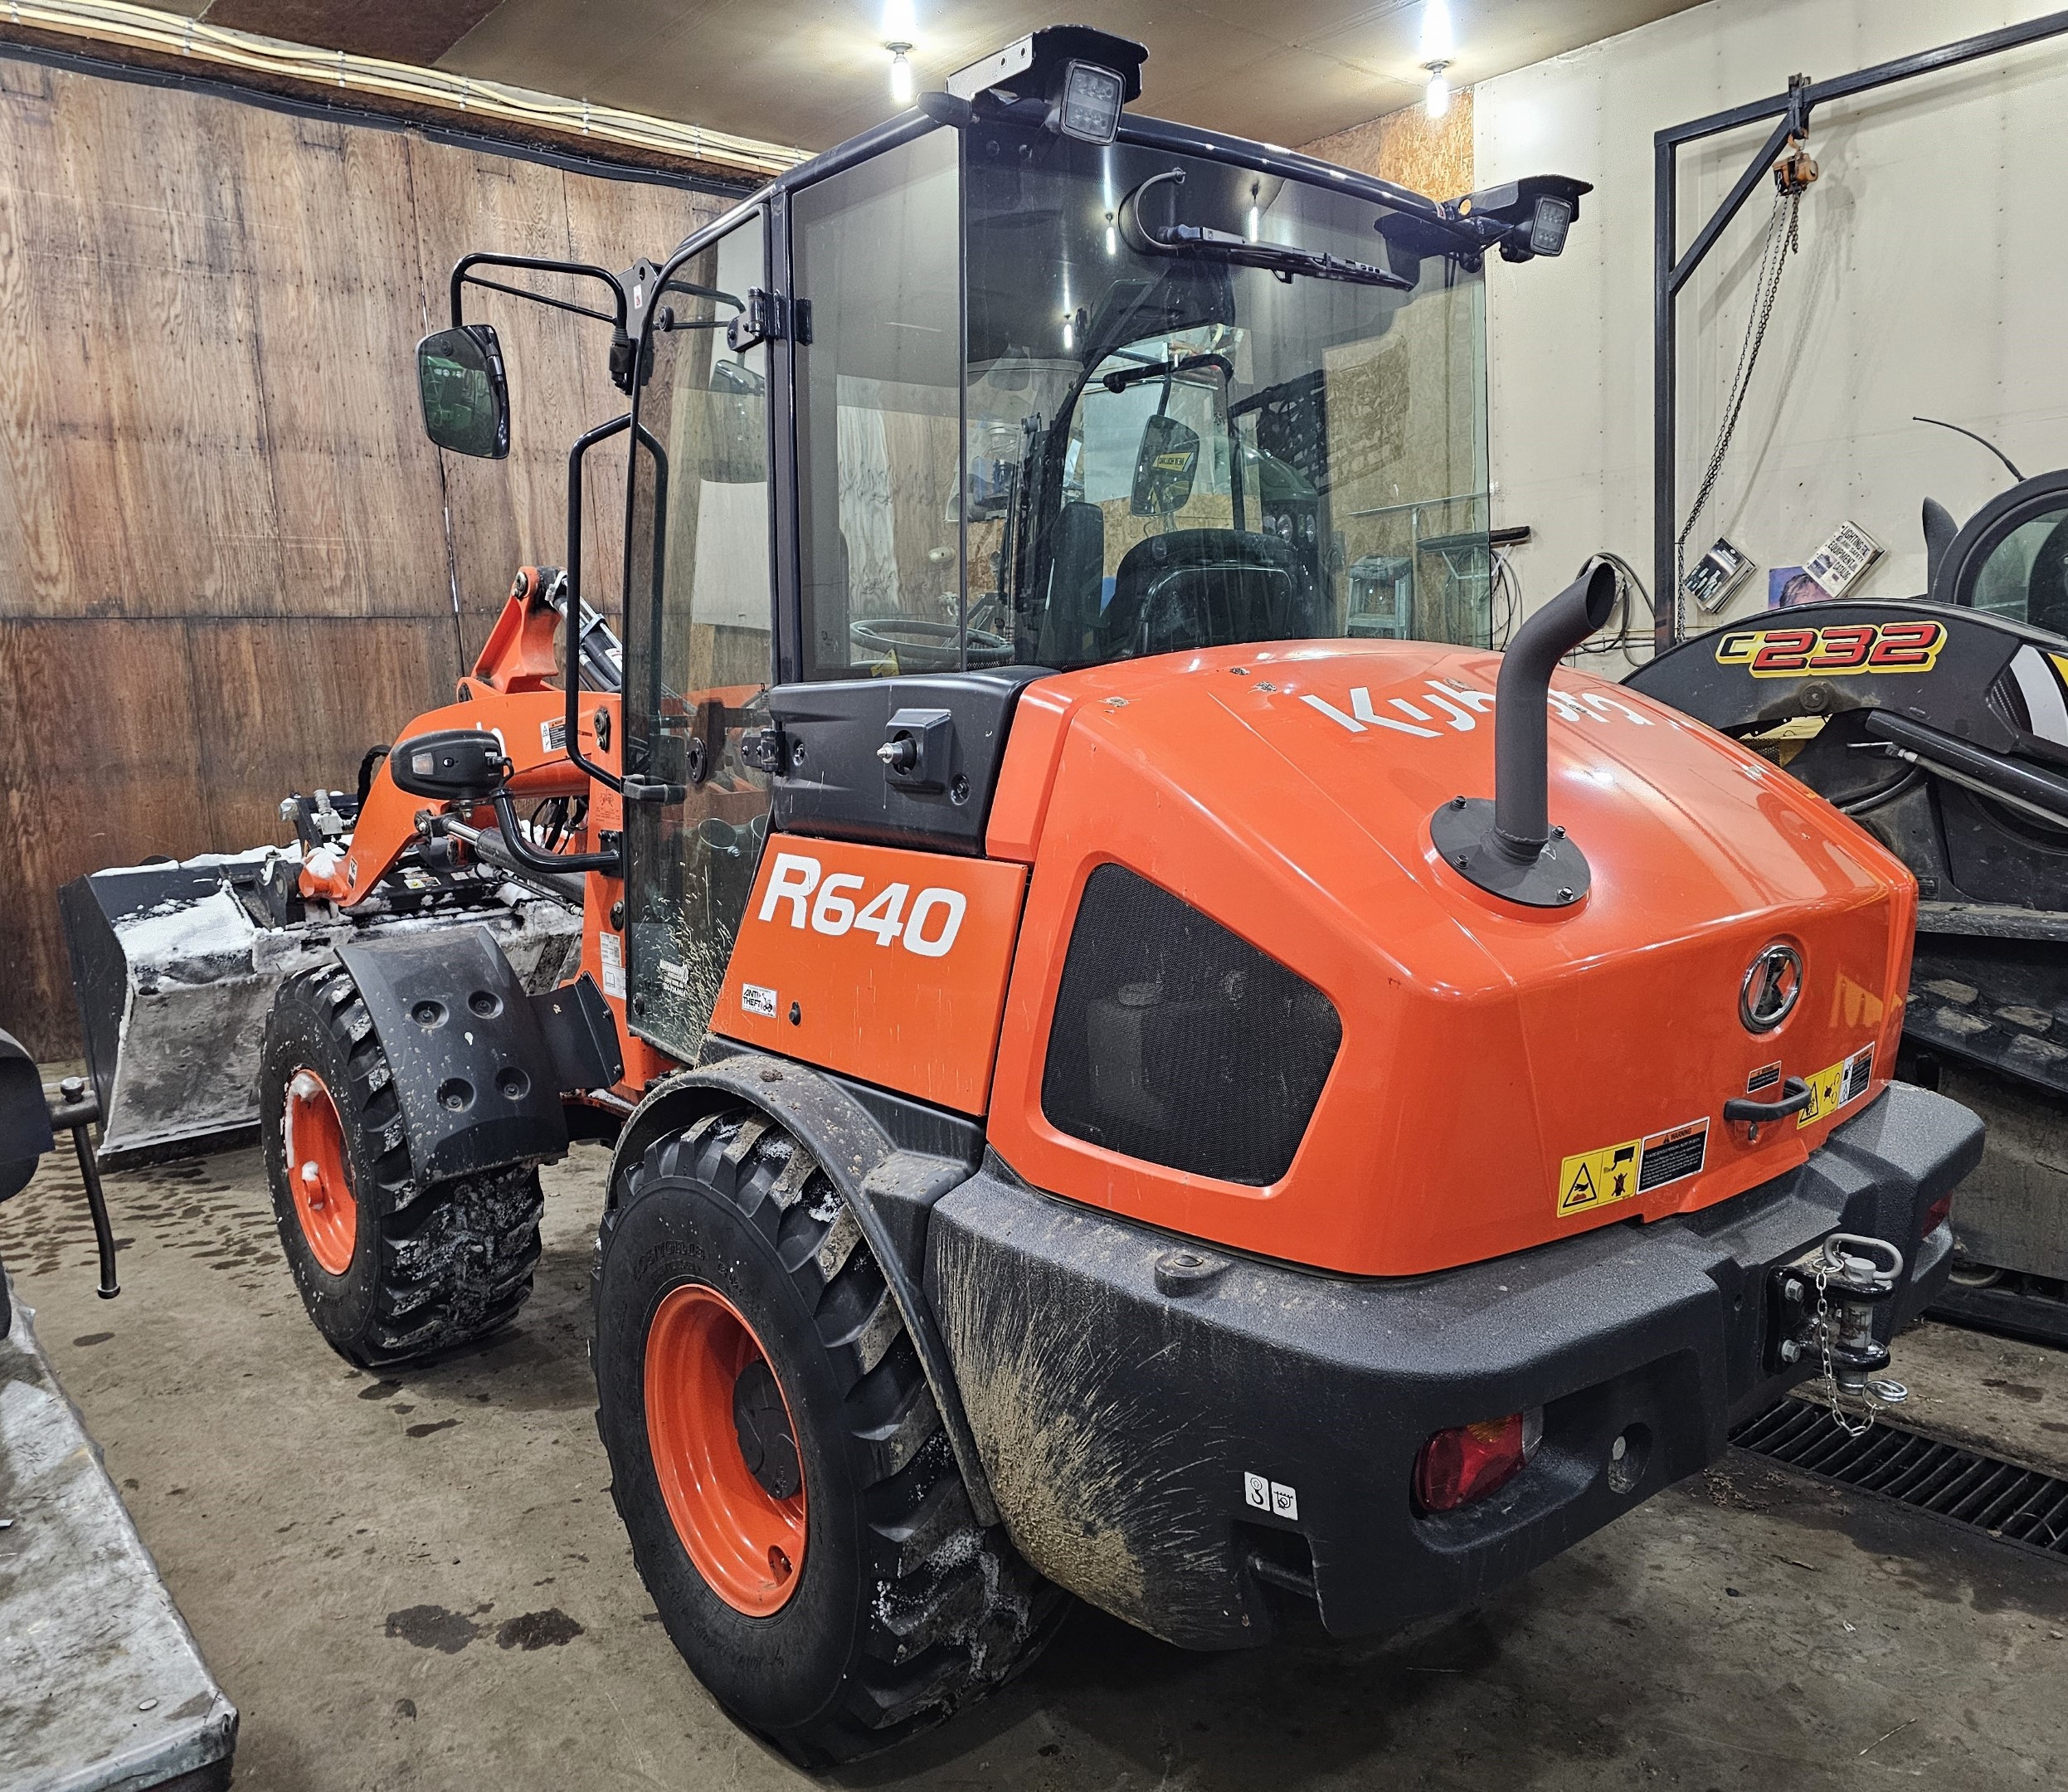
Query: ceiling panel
(811, 72)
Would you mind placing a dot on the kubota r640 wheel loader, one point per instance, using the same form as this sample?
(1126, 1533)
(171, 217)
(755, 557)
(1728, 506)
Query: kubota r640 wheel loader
(1131, 1077)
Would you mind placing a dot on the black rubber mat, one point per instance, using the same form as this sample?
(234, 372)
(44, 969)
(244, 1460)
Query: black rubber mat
(2000, 1499)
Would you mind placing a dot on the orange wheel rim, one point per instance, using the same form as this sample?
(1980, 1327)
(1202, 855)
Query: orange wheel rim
(319, 1172)
(712, 1403)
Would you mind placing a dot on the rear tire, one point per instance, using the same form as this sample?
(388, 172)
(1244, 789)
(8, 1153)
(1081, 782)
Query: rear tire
(419, 1270)
(901, 1608)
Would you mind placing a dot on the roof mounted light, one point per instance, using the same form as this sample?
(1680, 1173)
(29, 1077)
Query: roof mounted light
(1525, 218)
(1085, 76)
(1089, 109)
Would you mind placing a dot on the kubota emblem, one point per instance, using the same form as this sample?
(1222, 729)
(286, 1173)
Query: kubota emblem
(1771, 987)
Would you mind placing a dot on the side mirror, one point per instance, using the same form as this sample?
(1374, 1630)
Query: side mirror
(1165, 466)
(465, 397)
(450, 765)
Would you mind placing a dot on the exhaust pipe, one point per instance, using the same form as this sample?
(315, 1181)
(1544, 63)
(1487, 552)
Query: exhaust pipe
(1508, 847)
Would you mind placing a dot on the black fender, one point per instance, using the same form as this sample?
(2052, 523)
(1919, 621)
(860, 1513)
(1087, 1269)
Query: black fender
(889, 1191)
(479, 1064)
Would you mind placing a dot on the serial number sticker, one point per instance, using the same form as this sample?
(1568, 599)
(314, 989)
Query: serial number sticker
(609, 951)
(1844, 1083)
(757, 999)
(1616, 1172)
(1840, 649)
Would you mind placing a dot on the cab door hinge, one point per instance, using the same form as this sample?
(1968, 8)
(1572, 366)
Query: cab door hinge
(768, 317)
(766, 749)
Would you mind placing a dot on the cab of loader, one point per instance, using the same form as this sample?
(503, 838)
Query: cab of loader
(1018, 382)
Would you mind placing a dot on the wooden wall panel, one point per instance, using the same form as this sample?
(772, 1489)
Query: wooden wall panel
(1409, 148)
(229, 560)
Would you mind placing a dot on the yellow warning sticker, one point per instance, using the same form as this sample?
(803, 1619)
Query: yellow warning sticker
(1844, 1082)
(1616, 1172)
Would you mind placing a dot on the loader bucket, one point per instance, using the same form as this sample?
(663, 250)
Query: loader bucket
(175, 965)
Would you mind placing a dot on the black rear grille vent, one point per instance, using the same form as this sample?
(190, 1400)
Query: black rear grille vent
(2012, 1504)
(1178, 1042)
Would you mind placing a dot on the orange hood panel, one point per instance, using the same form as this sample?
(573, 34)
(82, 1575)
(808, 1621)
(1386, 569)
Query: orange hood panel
(1501, 1069)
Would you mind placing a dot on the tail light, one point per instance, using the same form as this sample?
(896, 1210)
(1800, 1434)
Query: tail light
(1935, 1215)
(1468, 1462)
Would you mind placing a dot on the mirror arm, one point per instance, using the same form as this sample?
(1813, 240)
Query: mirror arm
(572, 566)
(558, 304)
(463, 277)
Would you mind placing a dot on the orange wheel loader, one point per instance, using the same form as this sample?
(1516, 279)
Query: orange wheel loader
(1144, 1062)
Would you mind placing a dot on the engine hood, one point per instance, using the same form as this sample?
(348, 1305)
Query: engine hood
(1506, 1076)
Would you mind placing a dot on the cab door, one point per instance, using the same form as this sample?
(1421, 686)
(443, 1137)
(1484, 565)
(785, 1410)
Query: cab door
(699, 635)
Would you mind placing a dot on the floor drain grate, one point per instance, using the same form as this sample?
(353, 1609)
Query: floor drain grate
(2013, 1504)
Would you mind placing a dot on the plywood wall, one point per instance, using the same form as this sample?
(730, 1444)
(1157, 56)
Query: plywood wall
(1426, 155)
(229, 560)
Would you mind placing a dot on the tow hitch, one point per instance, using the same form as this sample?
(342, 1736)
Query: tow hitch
(1824, 1301)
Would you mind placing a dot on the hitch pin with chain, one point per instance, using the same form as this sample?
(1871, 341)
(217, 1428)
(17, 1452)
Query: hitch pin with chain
(1846, 1345)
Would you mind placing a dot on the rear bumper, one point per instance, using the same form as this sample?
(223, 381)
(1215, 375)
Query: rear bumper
(1121, 1410)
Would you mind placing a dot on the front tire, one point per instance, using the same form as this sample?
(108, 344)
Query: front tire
(391, 1270)
(793, 1508)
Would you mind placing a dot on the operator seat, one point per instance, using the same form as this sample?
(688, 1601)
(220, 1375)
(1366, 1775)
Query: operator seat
(1206, 587)
(1075, 586)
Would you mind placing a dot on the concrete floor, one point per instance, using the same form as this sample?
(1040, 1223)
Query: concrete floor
(418, 1581)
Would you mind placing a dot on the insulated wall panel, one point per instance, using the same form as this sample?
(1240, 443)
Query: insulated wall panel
(1927, 282)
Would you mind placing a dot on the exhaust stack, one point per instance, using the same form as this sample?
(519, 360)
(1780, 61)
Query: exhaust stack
(1508, 847)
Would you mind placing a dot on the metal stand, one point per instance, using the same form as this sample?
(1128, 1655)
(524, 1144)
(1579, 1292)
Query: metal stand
(1792, 108)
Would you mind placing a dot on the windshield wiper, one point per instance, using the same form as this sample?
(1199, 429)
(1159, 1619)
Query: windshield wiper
(1200, 242)
(1122, 379)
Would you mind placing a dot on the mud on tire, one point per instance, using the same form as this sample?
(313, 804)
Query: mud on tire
(431, 1267)
(904, 1608)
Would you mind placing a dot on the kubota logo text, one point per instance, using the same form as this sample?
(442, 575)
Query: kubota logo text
(1427, 709)
(834, 905)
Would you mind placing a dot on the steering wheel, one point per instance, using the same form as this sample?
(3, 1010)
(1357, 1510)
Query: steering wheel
(919, 644)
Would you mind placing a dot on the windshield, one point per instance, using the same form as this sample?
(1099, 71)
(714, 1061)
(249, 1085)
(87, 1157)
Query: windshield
(1236, 410)
(1171, 451)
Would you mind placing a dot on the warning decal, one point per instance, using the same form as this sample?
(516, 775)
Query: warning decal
(1596, 1178)
(1831, 1089)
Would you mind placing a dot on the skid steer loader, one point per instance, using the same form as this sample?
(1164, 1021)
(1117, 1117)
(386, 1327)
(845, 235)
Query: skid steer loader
(1940, 724)
(1125, 1083)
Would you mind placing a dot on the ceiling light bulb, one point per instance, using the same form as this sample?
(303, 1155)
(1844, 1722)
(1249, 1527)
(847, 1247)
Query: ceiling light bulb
(1437, 44)
(1438, 99)
(900, 73)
